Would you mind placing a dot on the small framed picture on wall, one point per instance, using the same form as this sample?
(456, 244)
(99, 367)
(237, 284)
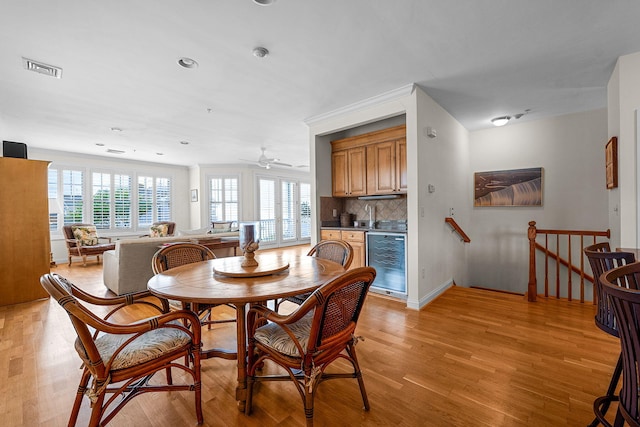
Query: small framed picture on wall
(611, 155)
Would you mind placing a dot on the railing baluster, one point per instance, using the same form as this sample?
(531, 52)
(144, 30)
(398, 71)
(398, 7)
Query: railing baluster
(532, 234)
(569, 270)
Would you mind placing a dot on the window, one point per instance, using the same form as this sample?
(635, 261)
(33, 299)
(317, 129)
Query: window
(111, 208)
(223, 199)
(72, 194)
(154, 200)
(108, 199)
(284, 209)
(305, 210)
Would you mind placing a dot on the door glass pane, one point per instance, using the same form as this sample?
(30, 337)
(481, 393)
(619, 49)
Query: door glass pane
(267, 218)
(288, 210)
(305, 210)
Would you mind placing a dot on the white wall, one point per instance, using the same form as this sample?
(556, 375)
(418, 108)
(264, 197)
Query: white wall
(623, 102)
(443, 162)
(570, 149)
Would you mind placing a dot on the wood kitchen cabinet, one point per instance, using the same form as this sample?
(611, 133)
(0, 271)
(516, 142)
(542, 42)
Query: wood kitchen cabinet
(25, 248)
(370, 164)
(349, 172)
(387, 167)
(354, 238)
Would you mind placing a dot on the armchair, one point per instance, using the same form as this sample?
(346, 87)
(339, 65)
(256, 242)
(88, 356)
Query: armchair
(161, 229)
(120, 359)
(82, 241)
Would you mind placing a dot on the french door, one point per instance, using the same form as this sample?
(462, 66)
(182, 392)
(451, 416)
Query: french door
(284, 211)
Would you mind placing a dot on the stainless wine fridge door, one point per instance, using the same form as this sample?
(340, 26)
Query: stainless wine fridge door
(386, 252)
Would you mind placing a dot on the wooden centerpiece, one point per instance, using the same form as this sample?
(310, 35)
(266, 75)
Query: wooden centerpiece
(249, 242)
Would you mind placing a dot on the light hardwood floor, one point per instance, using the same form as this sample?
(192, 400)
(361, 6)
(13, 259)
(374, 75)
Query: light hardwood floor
(470, 358)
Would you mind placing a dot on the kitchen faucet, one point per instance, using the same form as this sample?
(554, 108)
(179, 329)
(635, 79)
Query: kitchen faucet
(371, 210)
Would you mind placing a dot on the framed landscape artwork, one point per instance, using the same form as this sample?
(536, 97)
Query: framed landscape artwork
(515, 187)
(611, 155)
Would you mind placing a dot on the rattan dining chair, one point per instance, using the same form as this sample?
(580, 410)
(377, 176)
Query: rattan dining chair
(602, 260)
(318, 333)
(120, 359)
(177, 254)
(621, 287)
(334, 250)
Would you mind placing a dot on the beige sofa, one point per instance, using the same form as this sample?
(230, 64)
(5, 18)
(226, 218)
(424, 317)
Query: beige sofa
(128, 268)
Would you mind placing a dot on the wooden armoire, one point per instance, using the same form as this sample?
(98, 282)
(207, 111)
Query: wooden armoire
(25, 247)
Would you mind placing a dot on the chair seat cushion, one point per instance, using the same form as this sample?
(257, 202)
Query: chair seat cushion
(272, 335)
(146, 347)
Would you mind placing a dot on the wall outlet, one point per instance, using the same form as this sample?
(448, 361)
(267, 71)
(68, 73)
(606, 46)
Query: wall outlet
(451, 212)
(335, 213)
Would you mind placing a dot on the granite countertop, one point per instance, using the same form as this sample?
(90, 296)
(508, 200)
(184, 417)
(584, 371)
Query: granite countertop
(365, 229)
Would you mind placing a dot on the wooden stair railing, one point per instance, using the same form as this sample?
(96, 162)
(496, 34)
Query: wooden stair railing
(452, 222)
(533, 232)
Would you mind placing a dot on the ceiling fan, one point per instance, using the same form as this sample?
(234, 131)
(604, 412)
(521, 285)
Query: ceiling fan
(266, 162)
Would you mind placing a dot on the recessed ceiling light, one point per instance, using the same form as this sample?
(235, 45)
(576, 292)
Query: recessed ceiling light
(264, 2)
(99, 144)
(184, 142)
(114, 129)
(187, 63)
(260, 52)
(160, 154)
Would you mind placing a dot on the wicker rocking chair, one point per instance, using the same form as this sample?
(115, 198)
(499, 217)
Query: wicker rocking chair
(319, 332)
(120, 359)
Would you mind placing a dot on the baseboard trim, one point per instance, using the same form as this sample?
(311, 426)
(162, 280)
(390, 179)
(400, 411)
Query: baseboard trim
(419, 304)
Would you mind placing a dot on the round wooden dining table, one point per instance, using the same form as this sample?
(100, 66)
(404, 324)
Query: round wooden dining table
(199, 283)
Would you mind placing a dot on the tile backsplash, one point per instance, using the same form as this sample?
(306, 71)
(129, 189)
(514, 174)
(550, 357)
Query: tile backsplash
(391, 209)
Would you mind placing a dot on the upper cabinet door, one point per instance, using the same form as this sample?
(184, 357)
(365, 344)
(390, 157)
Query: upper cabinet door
(401, 165)
(339, 173)
(357, 171)
(381, 171)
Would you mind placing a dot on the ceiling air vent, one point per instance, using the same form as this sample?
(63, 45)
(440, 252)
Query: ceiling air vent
(112, 151)
(39, 67)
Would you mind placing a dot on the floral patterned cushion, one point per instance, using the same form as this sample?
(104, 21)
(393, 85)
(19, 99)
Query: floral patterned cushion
(85, 234)
(275, 337)
(159, 230)
(146, 347)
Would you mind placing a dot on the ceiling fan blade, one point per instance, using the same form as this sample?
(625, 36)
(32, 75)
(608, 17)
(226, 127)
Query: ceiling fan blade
(281, 164)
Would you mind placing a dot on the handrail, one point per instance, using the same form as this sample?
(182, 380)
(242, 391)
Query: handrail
(452, 222)
(532, 233)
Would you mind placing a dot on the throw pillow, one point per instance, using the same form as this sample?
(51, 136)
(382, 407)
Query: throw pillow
(221, 225)
(159, 230)
(85, 235)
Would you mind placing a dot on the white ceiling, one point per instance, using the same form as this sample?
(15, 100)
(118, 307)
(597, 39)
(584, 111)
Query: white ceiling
(477, 58)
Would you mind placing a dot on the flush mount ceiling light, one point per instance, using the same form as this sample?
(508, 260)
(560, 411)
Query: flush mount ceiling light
(260, 52)
(264, 2)
(501, 121)
(39, 67)
(187, 63)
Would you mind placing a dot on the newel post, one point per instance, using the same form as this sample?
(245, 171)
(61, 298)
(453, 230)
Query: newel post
(532, 290)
